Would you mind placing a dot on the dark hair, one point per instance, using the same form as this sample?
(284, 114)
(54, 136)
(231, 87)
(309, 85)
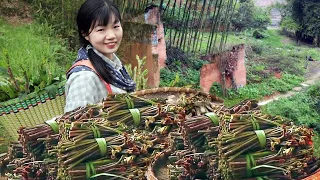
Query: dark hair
(90, 13)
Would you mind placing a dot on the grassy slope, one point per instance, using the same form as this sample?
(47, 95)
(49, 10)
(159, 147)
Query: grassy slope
(302, 109)
(274, 51)
(280, 51)
(32, 47)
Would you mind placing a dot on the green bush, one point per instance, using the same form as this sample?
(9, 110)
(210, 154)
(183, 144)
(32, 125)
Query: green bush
(166, 77)
(259, 34)
(35, 57)
(257, 48)
(258, 90)
(185, 78)
(300, 108)
(314, 92)
(182, 73)
(261, 18)
(249, 16)
(60, 15)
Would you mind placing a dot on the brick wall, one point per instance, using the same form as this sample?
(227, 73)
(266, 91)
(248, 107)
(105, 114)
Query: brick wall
(210, 73)
(144, 36)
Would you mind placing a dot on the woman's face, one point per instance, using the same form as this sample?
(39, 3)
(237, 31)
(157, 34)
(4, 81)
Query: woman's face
(106, 39)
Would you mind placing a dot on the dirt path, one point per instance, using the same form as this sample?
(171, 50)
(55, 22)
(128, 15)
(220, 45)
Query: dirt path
(311, 77)
(265, 3)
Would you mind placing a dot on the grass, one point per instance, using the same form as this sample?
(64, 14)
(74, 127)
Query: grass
(303, 109)
(316, 144)
(35, 49)
(32, 51)
(267, 54)
(257, 91)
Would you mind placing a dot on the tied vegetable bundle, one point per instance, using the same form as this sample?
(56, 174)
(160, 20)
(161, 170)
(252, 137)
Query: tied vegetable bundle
(271, 139)
(130, 167)
(112, 104)
(187, 165)
(195, 129)
(290, 163)
(238, 123)
(106, 119)
(291, 144)
(114, 155)
(29, 138)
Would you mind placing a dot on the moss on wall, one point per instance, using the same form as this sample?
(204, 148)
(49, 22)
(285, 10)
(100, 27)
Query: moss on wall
(134, 32)
(137, 32)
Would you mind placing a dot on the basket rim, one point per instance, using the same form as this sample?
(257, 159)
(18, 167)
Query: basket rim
(31, 99)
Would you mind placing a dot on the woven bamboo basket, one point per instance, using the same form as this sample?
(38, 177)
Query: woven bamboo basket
(31, 111)
(36, 110)
(159, 171)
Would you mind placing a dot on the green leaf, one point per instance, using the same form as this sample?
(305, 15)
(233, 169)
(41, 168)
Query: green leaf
(268, 166)
(107, 174)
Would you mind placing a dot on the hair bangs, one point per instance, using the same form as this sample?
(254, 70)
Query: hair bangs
(104, 15)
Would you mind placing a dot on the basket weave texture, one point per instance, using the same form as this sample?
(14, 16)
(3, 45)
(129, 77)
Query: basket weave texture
(31, 111)
(315, 176)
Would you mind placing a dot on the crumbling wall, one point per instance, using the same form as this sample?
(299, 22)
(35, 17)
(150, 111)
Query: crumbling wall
(144, 36)
(213, 72)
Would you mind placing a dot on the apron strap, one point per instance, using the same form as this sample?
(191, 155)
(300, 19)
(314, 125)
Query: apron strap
(88, 64)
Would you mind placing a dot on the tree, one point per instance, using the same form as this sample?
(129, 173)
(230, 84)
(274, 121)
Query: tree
(243, 17)
(311, 21)
(249, 16)
(306, 15)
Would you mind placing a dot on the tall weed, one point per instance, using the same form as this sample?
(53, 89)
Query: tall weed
(300, 108)
(258, 90)
(35, 55)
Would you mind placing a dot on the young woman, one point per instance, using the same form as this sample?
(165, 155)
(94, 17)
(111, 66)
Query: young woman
(97, 70)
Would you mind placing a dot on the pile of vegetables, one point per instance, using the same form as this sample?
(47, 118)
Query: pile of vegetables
(124, 135)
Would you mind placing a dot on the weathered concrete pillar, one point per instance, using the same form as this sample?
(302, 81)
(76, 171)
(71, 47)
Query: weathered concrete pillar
(210, 73)
(158, 37)
(144, 36)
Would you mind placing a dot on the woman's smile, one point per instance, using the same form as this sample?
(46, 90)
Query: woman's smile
(111, 45)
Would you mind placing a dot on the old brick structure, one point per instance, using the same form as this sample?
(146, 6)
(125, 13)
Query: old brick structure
(144, 36)
(211, 73)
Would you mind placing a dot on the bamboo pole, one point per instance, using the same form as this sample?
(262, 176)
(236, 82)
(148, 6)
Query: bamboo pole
(203, 23)
(185, 29)
(176, 26)
(213, 25)
(199, 27)
(192, 28)
(218, 26)
(234, 7)
(226, 24)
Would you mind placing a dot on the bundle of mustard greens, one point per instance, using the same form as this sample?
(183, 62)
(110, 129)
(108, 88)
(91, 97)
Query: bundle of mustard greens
(124, 135)
(29, 138)
(117, 138)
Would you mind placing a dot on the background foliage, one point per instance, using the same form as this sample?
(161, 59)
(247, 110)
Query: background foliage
(248, 16)
(302, 17)
(35, 57)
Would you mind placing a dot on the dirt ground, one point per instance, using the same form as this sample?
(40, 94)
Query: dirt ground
(15, 12)
(264, 3)
(312, 76)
